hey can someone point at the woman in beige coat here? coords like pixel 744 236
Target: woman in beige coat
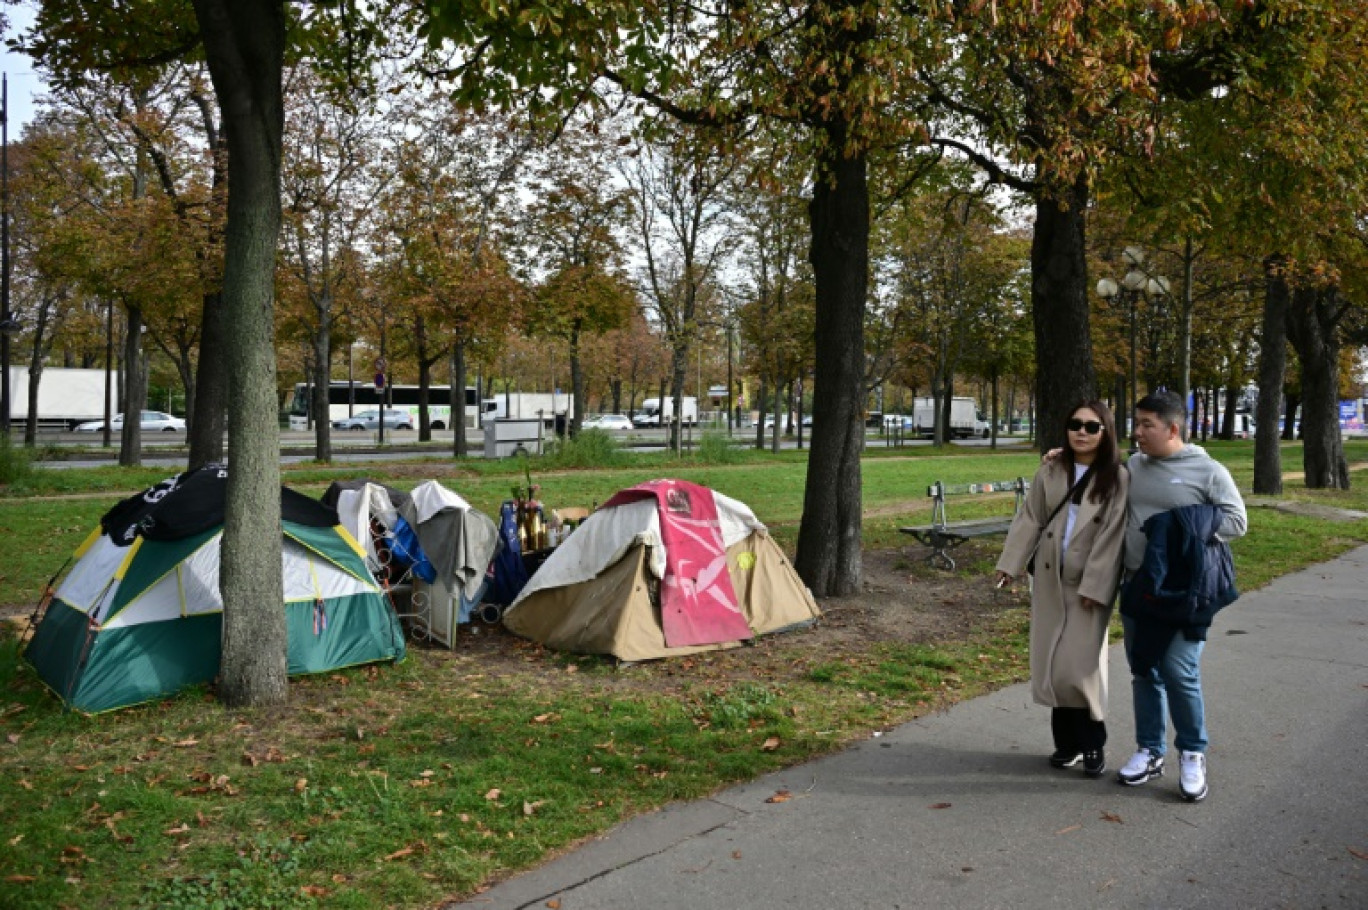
pixel 1073 521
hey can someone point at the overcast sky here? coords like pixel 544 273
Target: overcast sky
pixel 24 83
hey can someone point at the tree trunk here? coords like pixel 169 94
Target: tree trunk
pixel 1272 374
pixel 135 391
pixel 829 538
pixel 762 399
pixel 207 417
pixel 322 386
pixel 577 389
pixel 1291 403
pixel 778 427
pixel 244 43
pixel 1059 311
pixel 1313 329
pixel 460 446
pixel 993 416
pixel 679 367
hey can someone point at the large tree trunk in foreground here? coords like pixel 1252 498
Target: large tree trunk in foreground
pixel 1272 370
pixel 244 42
pixel 829 539
pixel 1313 328
pixel 1059 311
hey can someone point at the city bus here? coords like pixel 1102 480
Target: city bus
pixel 348 398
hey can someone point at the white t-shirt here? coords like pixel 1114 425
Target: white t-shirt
pixel 1079 471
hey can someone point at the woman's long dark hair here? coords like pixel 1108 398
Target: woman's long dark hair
pixel 1106 466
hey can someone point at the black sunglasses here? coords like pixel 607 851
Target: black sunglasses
pixel 1091 427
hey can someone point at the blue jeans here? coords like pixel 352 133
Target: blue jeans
pixel 1175 686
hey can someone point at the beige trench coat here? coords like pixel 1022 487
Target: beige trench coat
pixel 1069 640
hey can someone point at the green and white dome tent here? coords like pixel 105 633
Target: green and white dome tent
pixel 139 615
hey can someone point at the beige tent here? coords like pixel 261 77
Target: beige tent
pixel 599 592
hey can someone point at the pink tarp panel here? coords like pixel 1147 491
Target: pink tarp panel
pixel 697 602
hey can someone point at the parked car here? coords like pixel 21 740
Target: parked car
pixel 608 422
pixel 395 419
pixel 646 420
pixel 151 421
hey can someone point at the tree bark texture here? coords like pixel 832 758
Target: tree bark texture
pixel 459 447
pixel 1313 328
pixel 244 43
pixel 322 386
pixel 577 389
pixel 135 390
pixel 1059 310
pixel 829 539
pixel 1272 372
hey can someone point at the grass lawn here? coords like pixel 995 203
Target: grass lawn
pixel 405 785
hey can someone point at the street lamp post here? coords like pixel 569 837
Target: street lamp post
pixel 1138 282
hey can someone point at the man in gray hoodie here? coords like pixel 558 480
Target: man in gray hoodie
pixel 1169 473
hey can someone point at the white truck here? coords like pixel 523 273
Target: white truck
pixel 522 405
pixel 964 418
pixel 66 396
pixel 649 415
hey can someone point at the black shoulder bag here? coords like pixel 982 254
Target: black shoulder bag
pixel 1078 484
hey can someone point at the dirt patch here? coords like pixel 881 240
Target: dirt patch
pixel 903 600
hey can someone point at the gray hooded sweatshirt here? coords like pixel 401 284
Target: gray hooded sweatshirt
pixel 1189 477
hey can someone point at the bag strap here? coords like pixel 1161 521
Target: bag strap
pixel 1082 481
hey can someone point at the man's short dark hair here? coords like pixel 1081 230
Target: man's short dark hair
pixel 1165 405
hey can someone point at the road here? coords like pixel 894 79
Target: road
pixel 296 446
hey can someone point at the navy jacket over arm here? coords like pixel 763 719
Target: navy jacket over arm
pixel 1187 575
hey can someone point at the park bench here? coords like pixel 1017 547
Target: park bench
pixel 943 535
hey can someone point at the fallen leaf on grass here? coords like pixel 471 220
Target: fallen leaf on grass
pixel 182 828
pixel 186 743
pixel 545 718
pixel 493 794
pixel 314 891
pixel 25 784
pixel 417 847
pixel 1068 829
pixel 16 839
pixel 939 806
pixel 1112 817
pixel 20 879
pixel 13 739
pixel 572 668
pixel 770 744
pixel 529 808
pixel 420 782
pixel 301 785
pixel 780 796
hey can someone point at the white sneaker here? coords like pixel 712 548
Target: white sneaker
pixel 1192 778
pixel 1142 766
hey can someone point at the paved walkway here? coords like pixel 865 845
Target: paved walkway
pixel 960 810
